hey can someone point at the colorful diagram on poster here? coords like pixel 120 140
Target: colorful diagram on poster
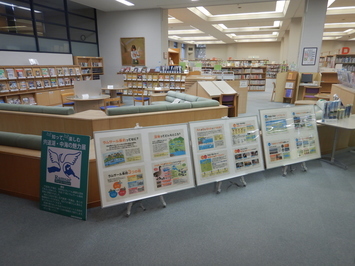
pixel 279 150
pixel 167 144
pixel 246 157
pixel 276 123
pixel 303 119
pixel 213 164
pixel 170 173
pixel 63 167
pixel 244 132
pixel 210 137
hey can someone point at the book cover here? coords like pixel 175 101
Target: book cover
pixel 31 85
pixel 52 72
pixel 39 84
pixel 65 71
pixel 61 82
pixel 71 71
pixel 45 72
pixel 10 73
pixel 3 87
pixel 32 100
pixel 37 72
pixel 14 100
pixel 23 85
pixel 288 93
pixel 177 77
pixel 25 100
pixel 77 71
pixel 13 85
pixel 155 77
pixel 54 82
pixel 2 73
pixel 20 73
pixel 59 71
pixel 67 81
pixel 28 72
pixel 149 77
pixel 46 83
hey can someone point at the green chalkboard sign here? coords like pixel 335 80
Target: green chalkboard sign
pixel 64 174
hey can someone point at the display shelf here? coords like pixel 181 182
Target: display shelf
pixel 290 87
pixel 90 67
pixel 347 61
pixel 27 84
pixel 327 80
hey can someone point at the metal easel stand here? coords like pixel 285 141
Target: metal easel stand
pixel 287 168
pixel 130 204
pixel 219 184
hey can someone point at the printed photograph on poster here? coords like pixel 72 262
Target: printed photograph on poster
pixel 133 51
pixel 246 157
pixel 211 137
pixel 243 132
pixel 121 150
pixel 276 123
pixel 214 164
pixel 309 56
pixel 63 167
pixel 124 183
pixel 306 146
pixel 303 119
pixel 167 144
pixel 279 150
pixel 170 173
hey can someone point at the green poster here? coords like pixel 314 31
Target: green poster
pixel 64 174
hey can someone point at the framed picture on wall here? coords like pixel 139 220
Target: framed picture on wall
pixel 309 56
pixel 133 51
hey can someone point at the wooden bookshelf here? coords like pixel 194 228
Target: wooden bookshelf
pixel 290 87
pixel 90 67
pixel 36 84
pixel 327 80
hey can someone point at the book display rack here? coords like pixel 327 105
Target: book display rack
pixel 90 67
pixel 36 84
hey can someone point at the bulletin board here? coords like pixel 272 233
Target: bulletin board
pixel 289 135
pixel 139 163
pixel 226 148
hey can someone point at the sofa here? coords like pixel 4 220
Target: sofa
pixel 37 109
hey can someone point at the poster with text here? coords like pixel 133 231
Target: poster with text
pixel 290 135
pixel 64 174
pixel 226 148
pixel 138 163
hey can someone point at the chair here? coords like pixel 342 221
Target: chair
pixel 230 100
pixel 273 92
pixel 108 101
pixel 138 96
pixel 65 101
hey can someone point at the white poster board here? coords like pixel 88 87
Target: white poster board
pixel 138 163
pixel 289 135
pixel 226 148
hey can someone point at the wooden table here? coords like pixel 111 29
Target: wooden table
pixel 114 92
pixel 90 103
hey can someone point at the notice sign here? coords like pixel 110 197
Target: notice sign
pixel 64 174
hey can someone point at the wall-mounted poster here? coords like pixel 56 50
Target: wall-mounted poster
pixel 289 135
pixel 226 148
pixel 133 51
pixel 134 164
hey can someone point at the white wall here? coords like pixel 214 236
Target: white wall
pixel 21 58
pixel 269 51
pixel 334 47
pixel 150 24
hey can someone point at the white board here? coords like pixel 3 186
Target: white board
pixel 289 135
pixel 224 87
pixel 226 148
pixel 134 164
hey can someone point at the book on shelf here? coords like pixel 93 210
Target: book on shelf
pixel 45 72
pixel 28 72
pixel 60 71
pixel 77 71
pixel 67 81
pixel 71 71
pixel 20 73
pixel 25 100
pixel 52 72
pixel 65 71
pixel 61 82
pixel 54 82
pixel 23 85
pixel 39 84
pixel 2 74
pixel 3 87
pixel 178 78
pixel 46 83
pixel 13 85
pixel 10 73
pixel 31 100
pixel 288 93
pixel 14 100
pixel 2 100
pixel 37 72
pixel 87 78
pixel 31 84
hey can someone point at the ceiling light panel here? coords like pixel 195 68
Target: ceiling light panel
pixel 127 3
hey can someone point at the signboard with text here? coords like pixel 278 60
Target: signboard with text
pixel 64 174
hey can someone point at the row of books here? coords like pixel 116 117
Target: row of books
pixel 150 85
pixel 13 85
pixel 26 99
pixel 155 77
pixel 23 73
pixel 93 64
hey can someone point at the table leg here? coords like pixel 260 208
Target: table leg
pixel 331 159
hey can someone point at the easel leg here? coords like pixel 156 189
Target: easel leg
pixel 304 167
pixel 243 181
pixel 284 170
pixel 162 201
pixel 219 184
pixel 129 208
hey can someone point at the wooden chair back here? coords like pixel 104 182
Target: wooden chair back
pixel 139 96
pixel 230 100
pixel 111 103
pixel 65 101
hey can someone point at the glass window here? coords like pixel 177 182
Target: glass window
pixel 57 4
pixel 15 8
pixel 80 22
pixel 49 15
pixel 82 35
pixel 16 42
pixel 80 9
pixel 50 45
pixel 84 49
pixel 17 26
pixel 52 31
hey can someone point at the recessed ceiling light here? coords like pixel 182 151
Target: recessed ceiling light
pixel 125 2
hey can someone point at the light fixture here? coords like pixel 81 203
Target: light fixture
pixel 125 2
